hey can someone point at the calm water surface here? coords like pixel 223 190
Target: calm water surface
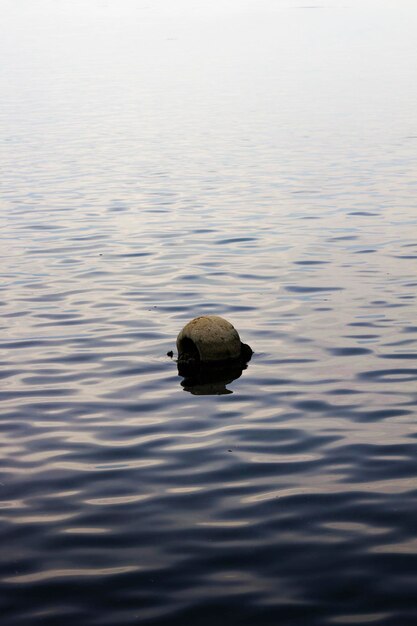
pixel 252 160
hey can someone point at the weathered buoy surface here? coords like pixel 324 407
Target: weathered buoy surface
pixel 210 338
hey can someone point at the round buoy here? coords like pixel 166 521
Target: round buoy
pixel 210 338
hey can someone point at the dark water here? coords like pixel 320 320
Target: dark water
pixel 258 162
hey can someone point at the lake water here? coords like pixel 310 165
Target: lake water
pixel 254 160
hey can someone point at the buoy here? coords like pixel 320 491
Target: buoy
pixel 211 339
pixel 210 355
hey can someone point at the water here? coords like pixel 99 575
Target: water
pixel 256 161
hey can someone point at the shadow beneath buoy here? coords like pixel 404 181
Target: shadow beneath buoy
pixel 212 378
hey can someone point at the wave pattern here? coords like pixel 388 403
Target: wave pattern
pixel 152 177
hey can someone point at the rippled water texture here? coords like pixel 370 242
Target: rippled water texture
pixel 251 160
